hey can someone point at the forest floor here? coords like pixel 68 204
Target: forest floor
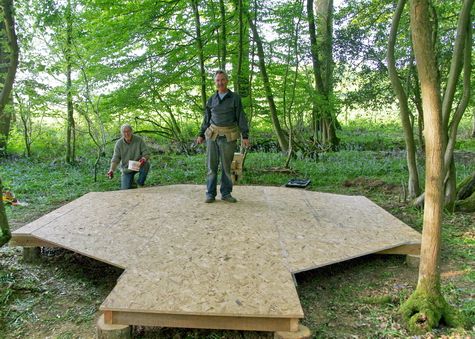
pixel 59 296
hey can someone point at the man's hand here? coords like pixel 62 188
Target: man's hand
pixel 142 161
pixel 246 143
pixel 110 174
pixel 200 140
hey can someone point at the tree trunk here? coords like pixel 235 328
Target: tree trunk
pixel 457 59
pixel 321 45
pixel 324 10
pixel 25 116
pixel 449 164
pixel 473 125
pixel 316 68
pixel 461 58
pixel 466 187
pixel 71 128
pixel 413 182
pixel 5 234
pixel 7 75
pixel 222 46
pixel 241 76
pixel 426 307
pixel 292 52
pixel 466 195
pixel 199 45
pixel 281 137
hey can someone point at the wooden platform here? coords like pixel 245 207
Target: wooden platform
pixel 219 265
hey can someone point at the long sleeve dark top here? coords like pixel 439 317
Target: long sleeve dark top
pixel 225 112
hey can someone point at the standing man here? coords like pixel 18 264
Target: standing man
pixel 223 123
pixel 129 147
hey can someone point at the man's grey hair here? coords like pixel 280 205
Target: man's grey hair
pixel 124 126
pixel 220 71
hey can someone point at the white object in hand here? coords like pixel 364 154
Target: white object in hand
pixel 134 165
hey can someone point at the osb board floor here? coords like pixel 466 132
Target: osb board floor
pixel 183 256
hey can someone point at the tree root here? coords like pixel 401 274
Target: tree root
pixel 423 311
pixel 466 205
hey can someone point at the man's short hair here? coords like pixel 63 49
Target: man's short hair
pixel 124 126
pixel 220 71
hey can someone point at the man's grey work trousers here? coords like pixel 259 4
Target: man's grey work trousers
pixel 219 150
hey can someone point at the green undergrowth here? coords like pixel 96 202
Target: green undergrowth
pixel 60 296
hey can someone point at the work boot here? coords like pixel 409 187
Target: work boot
pixel 209 199
pixel 229 198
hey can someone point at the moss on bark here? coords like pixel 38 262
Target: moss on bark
pixel 466 205
pixel 466 188
pixel 424 311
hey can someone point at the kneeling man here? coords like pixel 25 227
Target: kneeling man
pixel 130 147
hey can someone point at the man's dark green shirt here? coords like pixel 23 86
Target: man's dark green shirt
pixel 225 112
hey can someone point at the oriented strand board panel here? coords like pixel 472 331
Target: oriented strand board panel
pixel 220 265
pixel 318 229
pixel 206 259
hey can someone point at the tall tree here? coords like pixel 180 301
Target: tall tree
pixel 223 39
pixel 9 63
pixel 459 66
pixel 10 43
pixel 279 132
pixel 321 42
pixel 473 121
pixel 241 71
pixel 426 307
pixel 71 125
pixel 5 234
pixel 199 45
pixel 404 111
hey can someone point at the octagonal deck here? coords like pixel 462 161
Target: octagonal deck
pixel 220 265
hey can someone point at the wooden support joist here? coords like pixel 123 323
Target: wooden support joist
pixel 27 240
pixel 413 249
pixel 201 321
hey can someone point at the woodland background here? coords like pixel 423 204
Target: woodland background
pixel 332 94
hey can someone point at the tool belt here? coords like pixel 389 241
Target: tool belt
pixel 232 133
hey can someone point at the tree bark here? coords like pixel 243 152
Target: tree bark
pixel 466 187
pixel 223 38
pixel 5 234
pixel 473 126
pixel 456 62
pixel 241 76
pixel 324 10
pixel 71 128
pixel 315 65
pixel 242 69
pixel 281 137
pixel 321 45
pixel 461 58
pixel 449 164
pixel 199 45
pixel 427 307
pixel 10 58
pixel 466 195
pixel 413 181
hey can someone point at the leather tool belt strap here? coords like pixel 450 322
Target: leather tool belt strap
pixel 231 133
